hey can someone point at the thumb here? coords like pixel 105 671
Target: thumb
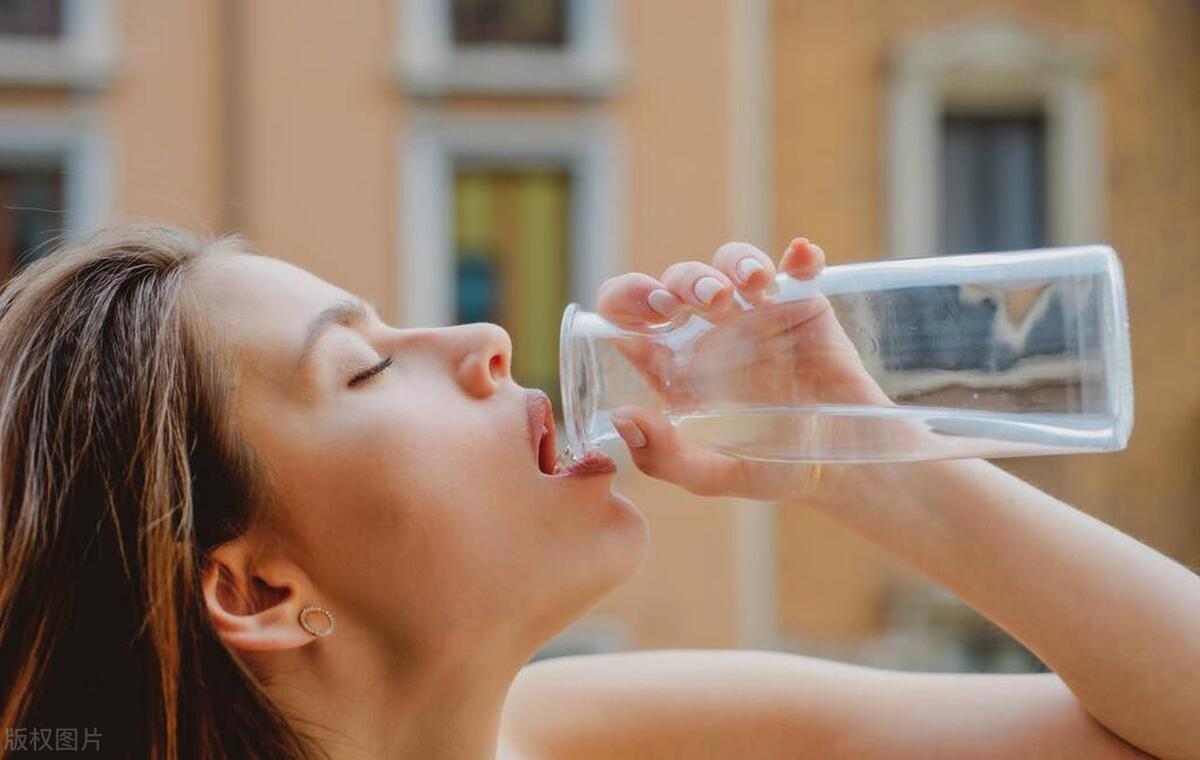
pixel 658 450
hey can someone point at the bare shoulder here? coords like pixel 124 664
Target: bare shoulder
pixel 720 704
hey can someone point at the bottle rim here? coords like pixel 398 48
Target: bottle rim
pixel 568 364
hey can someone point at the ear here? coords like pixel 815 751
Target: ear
pixel 255 604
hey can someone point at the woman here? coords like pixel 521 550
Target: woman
pixel 242 517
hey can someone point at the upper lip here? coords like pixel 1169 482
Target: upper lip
pixel 541 431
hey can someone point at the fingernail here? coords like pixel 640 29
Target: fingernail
pixel 707 288
pixel 747 267
pixel 629 430
pixel 663 302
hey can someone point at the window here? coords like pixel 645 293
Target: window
pixel 56 43
pixel 993 183
pixel 993 198
pixel 512 260
pixel 507 219
pixel 507 47
pixel 55 171
pixel 31 213
pixel 509 22
pixel 31 18
pixel 1030 94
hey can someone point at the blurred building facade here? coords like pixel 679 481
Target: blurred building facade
pixel 462 160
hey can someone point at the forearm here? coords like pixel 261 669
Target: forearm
pixel 1119 622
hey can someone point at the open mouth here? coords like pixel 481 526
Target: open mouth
pixel 545 451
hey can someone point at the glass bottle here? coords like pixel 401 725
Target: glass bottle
pixel 990 354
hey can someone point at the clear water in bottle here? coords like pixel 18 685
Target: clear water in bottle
pixel 1002 354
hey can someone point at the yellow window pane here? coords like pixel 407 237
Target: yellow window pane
pixel 511 234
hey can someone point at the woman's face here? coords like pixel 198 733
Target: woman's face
pixel 405 465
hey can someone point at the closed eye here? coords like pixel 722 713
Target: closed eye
pixel 371 372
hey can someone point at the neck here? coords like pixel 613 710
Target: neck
pixel 358 703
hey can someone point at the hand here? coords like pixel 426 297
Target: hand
pixel 797 350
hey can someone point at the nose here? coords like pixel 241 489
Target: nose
pixel 480 356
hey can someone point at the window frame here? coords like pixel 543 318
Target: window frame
pixel 586 146
pixel 84 57
pixel 77 139
pixel 994 65
pixel 429 64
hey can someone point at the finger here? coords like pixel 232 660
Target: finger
pixel 704 288
pixel 803 259
pixel 750 269
pixel 636 300
pixel 781 319
pixel 659 451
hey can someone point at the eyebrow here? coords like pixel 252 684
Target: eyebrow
pixel 345 313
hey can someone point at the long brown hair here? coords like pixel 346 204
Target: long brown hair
pixel 119 471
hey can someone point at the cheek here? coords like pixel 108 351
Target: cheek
pixel 416 504
pixel 431 502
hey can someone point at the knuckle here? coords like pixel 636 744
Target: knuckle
pixel 616 287
pixel 679 270
pixel 719 274
pixel 618 282
pixel 605 292
pixel 733 248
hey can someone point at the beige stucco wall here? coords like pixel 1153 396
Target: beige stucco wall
pixel 164 114
pixel 320 125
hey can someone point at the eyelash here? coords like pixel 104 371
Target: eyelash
pixel 367 374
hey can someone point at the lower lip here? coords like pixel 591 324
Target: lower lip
pixel 591 463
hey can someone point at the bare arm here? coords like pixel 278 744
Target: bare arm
pixel 1116 620
pixel 763 705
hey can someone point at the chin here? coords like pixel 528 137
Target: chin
pixel 630 541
